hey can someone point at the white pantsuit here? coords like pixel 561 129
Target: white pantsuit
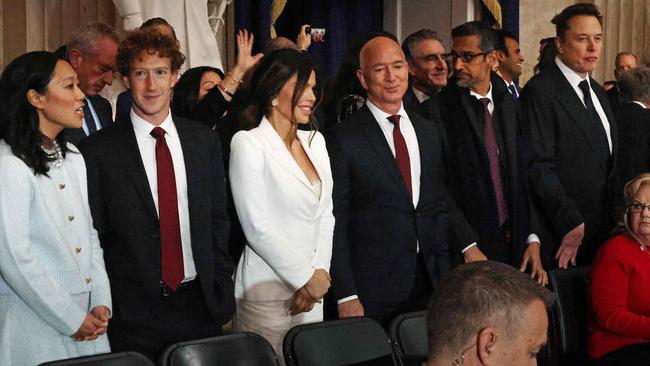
pixel 288 224
pixel 51 267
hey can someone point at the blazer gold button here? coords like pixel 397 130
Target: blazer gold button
pixel 77 250
pixel 70 218
pixel 61 186
pixel 87 280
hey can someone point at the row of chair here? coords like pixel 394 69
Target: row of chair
pixel 359 340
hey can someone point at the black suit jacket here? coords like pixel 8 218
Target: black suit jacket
pixel 634 136
pixel 126 219
pixel 469 174
pixel 412 103
pixel 614 98
pixel 570 181
pixel 104 113
pixel 377 228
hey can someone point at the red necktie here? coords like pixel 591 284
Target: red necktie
pixel 401 153
pixel 493 157
pixel 170 228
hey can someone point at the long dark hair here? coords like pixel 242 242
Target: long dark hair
pixel 270 75
pixel 19 122
pixel 186 91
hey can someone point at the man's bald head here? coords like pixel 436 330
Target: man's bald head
pixel 383 73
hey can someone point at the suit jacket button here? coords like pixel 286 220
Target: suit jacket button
pixel 61 186
pixel 156 272
pixel 88 280
pixel 155 236
pixel 77 250
pixel 70 218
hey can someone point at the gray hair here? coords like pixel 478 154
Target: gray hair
pixel 478 295
pixel 634 84
pixel 412 39
pixel 87 37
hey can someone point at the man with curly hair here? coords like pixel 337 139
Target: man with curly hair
pixel 157 194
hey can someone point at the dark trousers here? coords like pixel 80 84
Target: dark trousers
pixel 632 355
pixel 417 300
pixel 180 316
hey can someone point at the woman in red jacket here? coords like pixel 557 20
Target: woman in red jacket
pixel 619 323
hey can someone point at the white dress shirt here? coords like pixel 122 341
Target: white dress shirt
pixel 574 79
pixel 406 127
pixel 147 146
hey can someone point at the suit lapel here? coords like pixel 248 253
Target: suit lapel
pixel 129 154
pixel 470 112
pixel 378 141
pixel 568 98
pixel 304 141
pixel 613 127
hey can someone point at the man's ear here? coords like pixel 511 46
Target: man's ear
pixel 492 59
pixel 125 81
pixel 487 338
pixel 36 99
pixel 175 77
pixel 362 79
pixel 76 57
pixel 411 69
pixel 558 45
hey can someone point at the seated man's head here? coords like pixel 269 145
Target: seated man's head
pixel 487 313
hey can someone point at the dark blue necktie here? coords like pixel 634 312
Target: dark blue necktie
pixel 513 90
pixel 90 121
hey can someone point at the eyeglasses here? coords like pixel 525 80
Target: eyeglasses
pixel 638 207
pixel 466 57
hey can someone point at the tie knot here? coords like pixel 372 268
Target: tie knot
pixel 584 86
pixel 157 132
pixel 394 119
pixel 485 102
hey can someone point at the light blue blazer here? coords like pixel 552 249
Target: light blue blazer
pixel 51 265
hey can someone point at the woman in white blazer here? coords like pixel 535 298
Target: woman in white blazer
pixel 282 188
pixel 55 298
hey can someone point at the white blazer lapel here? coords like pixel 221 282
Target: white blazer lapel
pixel 280 153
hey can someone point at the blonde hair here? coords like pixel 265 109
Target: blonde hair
pixel 629 192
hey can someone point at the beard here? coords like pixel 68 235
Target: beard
pixel 469 81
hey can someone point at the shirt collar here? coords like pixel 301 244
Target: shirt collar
pixel 479 96
pixel 383 116
pixel 421 97
pixel 639 103
pixel 143 128
pixel 571 76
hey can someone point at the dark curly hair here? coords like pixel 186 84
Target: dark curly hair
pixel 151 41
pixel 19 122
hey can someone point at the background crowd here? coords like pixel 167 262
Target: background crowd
pixel 214 197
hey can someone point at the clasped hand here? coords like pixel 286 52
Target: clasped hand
pixel 94 325
pixel 311 293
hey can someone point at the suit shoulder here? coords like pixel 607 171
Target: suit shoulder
pixel 540 83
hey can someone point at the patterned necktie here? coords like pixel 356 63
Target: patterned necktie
pixel 597 127
pixel 170 228
pixel 513 90
pixel 90 121
pixel 493 157
pixel 401 153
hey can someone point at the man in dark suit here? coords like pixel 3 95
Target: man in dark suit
pixel 573 140
pixel 92 52
pixel 487 174
pixel 157 196
pixel 394 215
pixel 510 60
pixel 624 61
pixel 633 119
pixel 427 69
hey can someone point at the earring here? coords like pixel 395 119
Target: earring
pixel 274 103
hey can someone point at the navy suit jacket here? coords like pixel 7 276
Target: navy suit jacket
pixel 377 229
